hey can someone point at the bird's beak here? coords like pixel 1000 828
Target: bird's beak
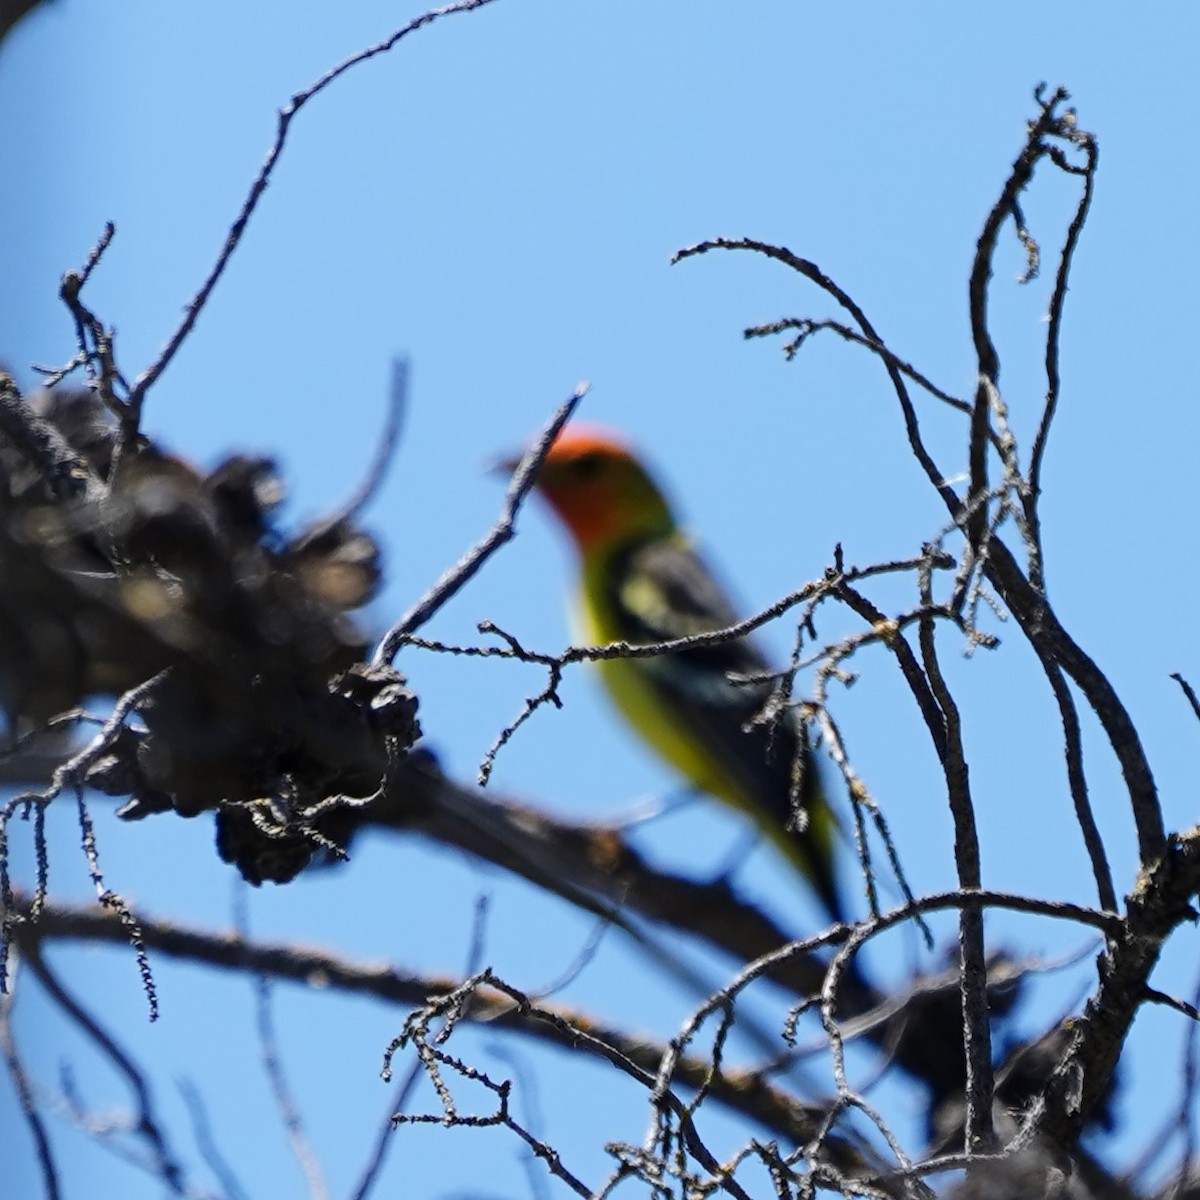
pixel 504 466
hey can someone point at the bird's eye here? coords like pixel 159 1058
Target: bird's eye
pixel 589 465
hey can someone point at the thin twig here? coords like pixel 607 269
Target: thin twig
pixel 25 1097
pixel 503 531
pixel 285 1102
pixel 207 1145
pixel 71 773
pixel 41 445
pixel 385 449
pixel 164 1161
pixel 1058 300
pixel 812 272
pixel 1189 692
pixel 979 1131
pixel 805 327
pixel 1077 781
pixel 258 188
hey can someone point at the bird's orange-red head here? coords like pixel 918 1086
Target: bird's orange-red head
pixel 600 490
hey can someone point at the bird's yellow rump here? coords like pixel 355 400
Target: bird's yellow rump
pixel 641 582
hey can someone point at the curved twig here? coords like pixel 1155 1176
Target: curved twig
pixel 287 114
pixel 503 531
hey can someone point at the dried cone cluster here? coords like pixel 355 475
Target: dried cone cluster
pixel 115 566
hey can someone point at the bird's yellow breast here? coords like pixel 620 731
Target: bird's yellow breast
pixel 631 686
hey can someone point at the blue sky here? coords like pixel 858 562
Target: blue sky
pixel 499 198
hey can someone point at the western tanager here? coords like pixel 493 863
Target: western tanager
pixel 642 582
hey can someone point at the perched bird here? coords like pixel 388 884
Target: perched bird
pixel 642 582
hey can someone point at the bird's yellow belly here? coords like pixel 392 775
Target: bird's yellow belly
pixel 634 694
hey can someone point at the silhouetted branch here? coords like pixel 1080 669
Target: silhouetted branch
pixel 287 114
pixel 147 1125
pixel 25 1098
pixel 503 531
pixel 745 1091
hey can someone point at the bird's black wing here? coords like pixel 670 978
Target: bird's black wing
pixel 662 591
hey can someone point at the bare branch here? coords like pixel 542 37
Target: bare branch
pixel 977 1043
pixel 207 1146
pixel 1161 901
pixel 1087 142
pixel 94 341
pixel 1189 692
pixel 503 531
pixel 147 1124
pixel 285 1101
pixel 44 447
pixel 747 1092
pixel 805 327
pixel 24 1090
pixel 385 449
pixel 287 114
pixel 1077 781
pixel 71 773
pixel 812 272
